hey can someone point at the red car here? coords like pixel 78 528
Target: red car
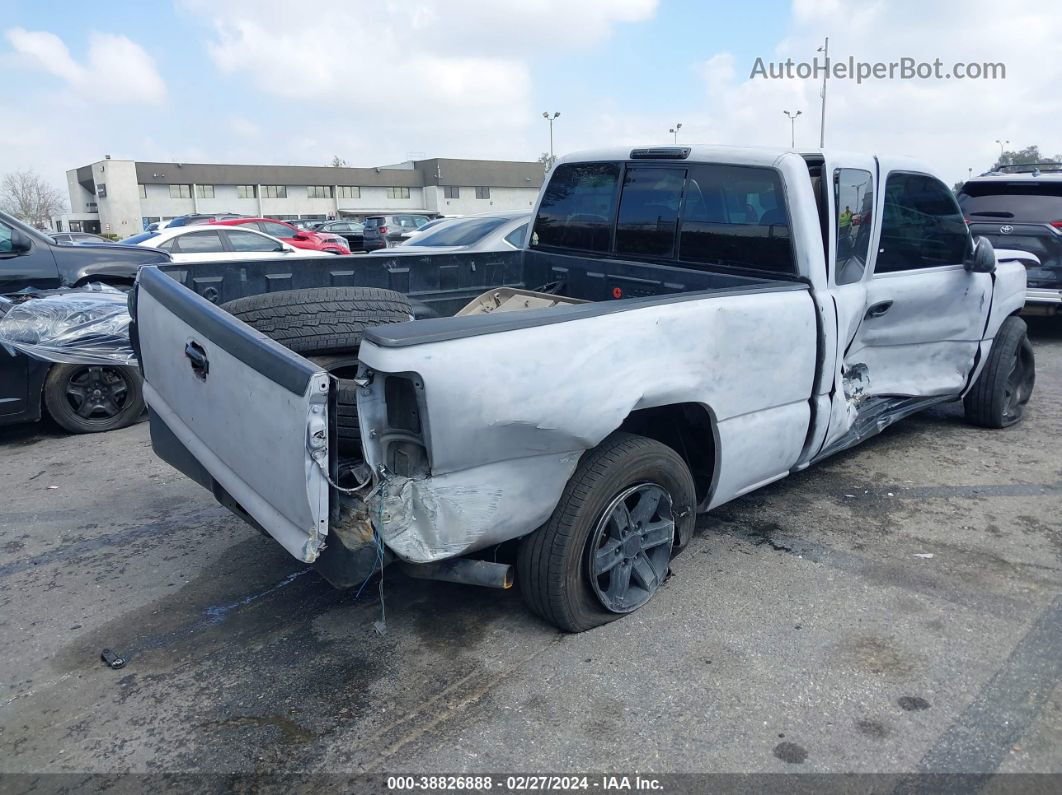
pixel 300 238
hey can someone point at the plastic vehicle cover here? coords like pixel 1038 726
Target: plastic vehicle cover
pixel 89 325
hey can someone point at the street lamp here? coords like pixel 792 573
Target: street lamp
pixel 674 131
pixel 792 127
pixel 825 50
pixel 547 117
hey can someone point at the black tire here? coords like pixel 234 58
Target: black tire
pixel 1004 386
pixel 93 398
pixel 321 319
pixel 348 432
pixel 554 562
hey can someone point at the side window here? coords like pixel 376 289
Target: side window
pixel 516 237
pixel 241 240
pixel 649 209
pixel 199 243
pixel 577 207
pixel 853 196
pixel 169 245
pixel 736 216
pixel 922 226
pixel 276 230
pixel 5 239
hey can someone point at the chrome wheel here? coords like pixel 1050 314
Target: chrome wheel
pixel 630 548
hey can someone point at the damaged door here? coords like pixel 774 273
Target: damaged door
pixel 910 315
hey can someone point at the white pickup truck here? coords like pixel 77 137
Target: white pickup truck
pixel 710 319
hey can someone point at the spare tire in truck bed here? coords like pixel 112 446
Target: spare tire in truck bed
pixel 320 319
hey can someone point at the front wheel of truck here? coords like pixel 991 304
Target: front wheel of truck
pixel 605 550
pixel 1005 384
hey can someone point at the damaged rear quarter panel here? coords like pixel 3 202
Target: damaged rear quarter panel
pixel 508 414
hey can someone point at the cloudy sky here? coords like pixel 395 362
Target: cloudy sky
pixel 380 81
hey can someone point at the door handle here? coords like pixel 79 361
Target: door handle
pixel 198 358
pixel 879 309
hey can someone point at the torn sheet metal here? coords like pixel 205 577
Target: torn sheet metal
pixel 84 326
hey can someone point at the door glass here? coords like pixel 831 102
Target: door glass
pixel 853 197
pixel 199 242
pixel 276 230
pixel 242 240
pixel 648 213
pixel 922 226
pixel 5 238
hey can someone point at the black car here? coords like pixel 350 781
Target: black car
pixel 80 398
pixel 351 231
pixel 1021 208
pixel 390 230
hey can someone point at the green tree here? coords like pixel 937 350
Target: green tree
pixel 1023 157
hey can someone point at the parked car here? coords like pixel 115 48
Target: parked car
pixel 193 219
pixel 300 238
pixel 32 259
pixel 307 223
pixel 352 232
pixel 77 238
pixel 390 230
pixel 492 232
pixel 195 244
pixel 1021 208
pixel 686 329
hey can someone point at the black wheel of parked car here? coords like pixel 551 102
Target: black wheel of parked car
pixel 1005 384
pixel 605 550
pixel 321 319
pixel 92 398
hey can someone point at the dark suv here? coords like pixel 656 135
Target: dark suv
pixel 1020 207
pixel 390 230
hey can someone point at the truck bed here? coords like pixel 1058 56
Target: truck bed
pixel 447 282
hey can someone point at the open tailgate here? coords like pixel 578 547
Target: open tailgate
pixel 233 409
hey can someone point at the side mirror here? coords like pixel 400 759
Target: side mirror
pixel 20 242
pixel 983 259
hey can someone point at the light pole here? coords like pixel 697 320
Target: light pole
pixel 792 127
pixel 1001 143
pixel 547 117
pixel 825 50
pixel 674 131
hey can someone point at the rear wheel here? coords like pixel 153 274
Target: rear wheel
pixel 1003 388
pixel 93 398
pixel 605 550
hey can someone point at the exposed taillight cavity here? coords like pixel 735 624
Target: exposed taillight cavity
pixel 1057 224
pixel 383 230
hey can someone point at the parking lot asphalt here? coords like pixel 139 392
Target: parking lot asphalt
pixel 897 608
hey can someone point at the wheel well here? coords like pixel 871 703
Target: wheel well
pixel 688 429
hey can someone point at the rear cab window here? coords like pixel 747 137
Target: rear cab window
pixel 689 215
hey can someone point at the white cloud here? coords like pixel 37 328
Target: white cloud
pixel 116 70
pixel 452 76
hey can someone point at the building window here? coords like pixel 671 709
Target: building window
pixel 482 193
pixel 318 191
pixel 101 190
pixel 75 226
pixel 451 192
pixel 143 191
pixel 180 191
pixel 398 193
pixel 349 192
pixel 245 191
pixel 274 191
pixel 204 191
